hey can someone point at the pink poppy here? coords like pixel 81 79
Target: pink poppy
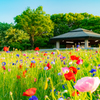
pixel 65 69
pixel 77 49
pixel 87 84
pixel 24 54
pixel 37 53
pixel 80 61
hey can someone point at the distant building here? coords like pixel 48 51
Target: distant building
pixel 76 37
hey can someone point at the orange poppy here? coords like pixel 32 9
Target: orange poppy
pixel 29 92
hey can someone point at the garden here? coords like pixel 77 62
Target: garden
pixel 50 75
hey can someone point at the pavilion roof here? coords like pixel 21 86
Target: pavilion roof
pixel 77 34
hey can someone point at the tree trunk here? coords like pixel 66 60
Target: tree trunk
pixel 32 40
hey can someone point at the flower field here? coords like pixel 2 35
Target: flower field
pixel 50 75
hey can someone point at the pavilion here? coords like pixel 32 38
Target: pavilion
pixel 76 37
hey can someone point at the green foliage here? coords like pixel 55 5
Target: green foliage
pixel 16 38
pixel 34 28
pixel 69 21
pixel 3 28
pixel 42 42
pixel 35 23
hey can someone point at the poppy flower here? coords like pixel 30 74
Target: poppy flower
pixel 37 53
pixel 69 76
pixel 77 49
pixel 49 66
pixel 18 77
pixel 20 66
pixel 53 53
pixel 35 80
pixel 80 61
pixel 45 54
pixel 73 57
pixel 73 69
pixel 87 84
pixel 70 53
pixel 37 49
pixel 4 67
pixel 29 92
pixel 65 69
pixel 73 93
pixel 6 48
pixel 9 70
pixel 24 72
pixel 32 65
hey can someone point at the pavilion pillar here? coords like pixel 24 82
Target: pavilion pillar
pixel 86 43
pixel 57 44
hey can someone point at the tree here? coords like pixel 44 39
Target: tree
pixel 15 37
pixel 3 28
pixel 35 23
pixel 60 24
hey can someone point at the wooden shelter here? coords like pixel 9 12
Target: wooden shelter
pixel 76 37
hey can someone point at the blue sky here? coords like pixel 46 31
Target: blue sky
pixel 11 8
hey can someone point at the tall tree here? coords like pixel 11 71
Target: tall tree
pixel 14 37
pixel 3 28
pixel 35 23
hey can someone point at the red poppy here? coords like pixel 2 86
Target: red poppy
pixel 24 72
pixel 6 49
pixel 45 54
pixel 70 53
pixel 73 69
pixel 73 94
pixel 32 65
pixel 37 49
pixel 96 51
pixel 49 66
pixel 51 52
pixel 20 66
pixel 69 76
pixel 29 92
pixel 18 77
pixel 73 57
pixel 4 67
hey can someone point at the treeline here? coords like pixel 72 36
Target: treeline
pixel 34 28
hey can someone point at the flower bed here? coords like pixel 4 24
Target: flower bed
pixel 57 75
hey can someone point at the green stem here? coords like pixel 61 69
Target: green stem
pixel 90 95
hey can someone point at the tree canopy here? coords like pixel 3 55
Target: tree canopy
pixel 35 23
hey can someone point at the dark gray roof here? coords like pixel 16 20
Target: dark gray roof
pixel 77 33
